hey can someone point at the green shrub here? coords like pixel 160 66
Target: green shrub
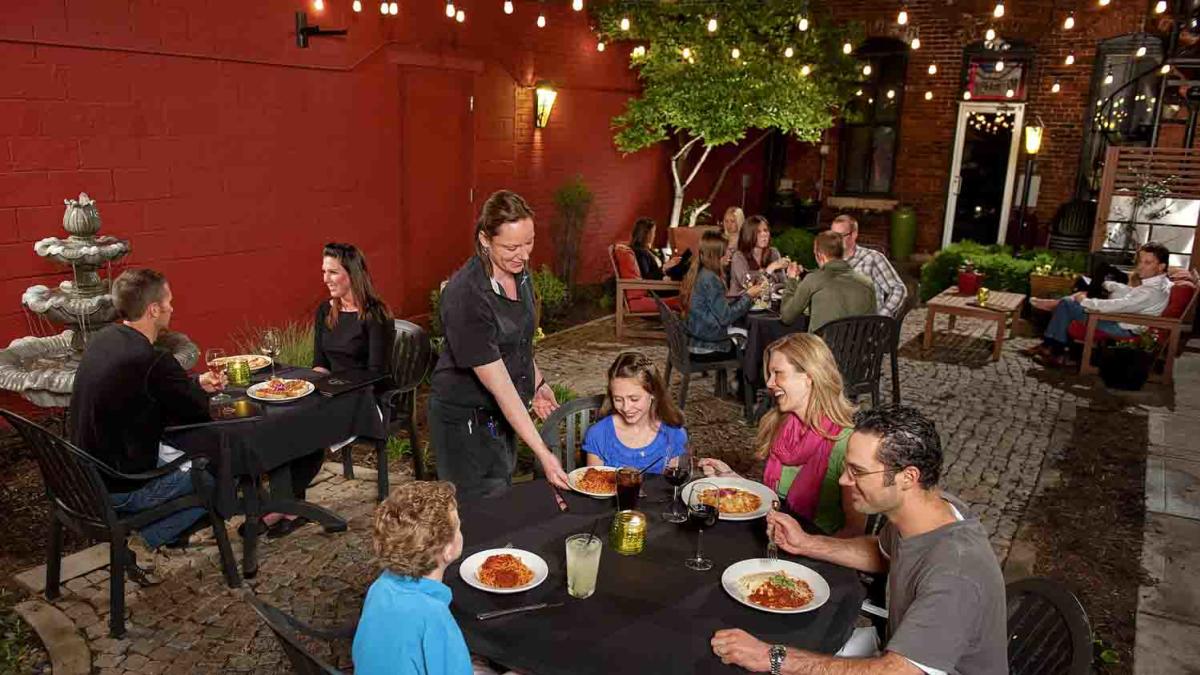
pixel 797 244
pixel 572 201
pixel 550 290
pixel 295 340
pixel 1003 270
pixel 435 312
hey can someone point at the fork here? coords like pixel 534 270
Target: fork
pixel 772 547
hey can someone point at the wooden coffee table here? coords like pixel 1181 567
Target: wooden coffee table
pixel 1000 308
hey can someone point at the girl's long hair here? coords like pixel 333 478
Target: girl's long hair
pixel 370 305
pixel 712 249
pixel 808 354
pixel 638 366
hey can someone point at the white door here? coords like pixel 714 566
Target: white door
pixel 982 172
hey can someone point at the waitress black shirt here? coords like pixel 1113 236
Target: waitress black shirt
pixel 482 325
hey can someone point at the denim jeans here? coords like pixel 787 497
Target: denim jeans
pixel 1068 311
pixel 159 491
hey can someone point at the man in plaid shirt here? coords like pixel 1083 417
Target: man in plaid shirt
pixel 890 291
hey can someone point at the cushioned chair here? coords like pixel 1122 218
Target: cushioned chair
pixel 634 297
pixel 288 630
pixel 564 429
pixel 1168 327
pixel 1048 630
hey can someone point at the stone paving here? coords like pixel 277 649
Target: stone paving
pixel 997 420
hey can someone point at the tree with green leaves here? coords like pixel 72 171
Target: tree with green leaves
pixel 714 72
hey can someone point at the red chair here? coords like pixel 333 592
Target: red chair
pixel 634 298
pixel 1167 328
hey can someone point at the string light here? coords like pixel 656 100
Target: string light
pixel 599 46
pixel 687 53
pixel 966 96
pixel 1141 51
pixel 1055 88
pixel 1070 60
pixel 891 94
pixel 998 12
pixel 639 50
pixel 577 5
pixel 508 7
pixel 990 35
pixel 736 53
pixel 1104 3
pixel 847 48
pixel 319 5
pixel 929 96
pixel 1009 93
pixel 460 16
pixel 1166 68
pixel 805 70
pixel 712 25
pixel 916 43
pixel 450 10
pixel 393 8
pixel 867 69
pixel 1160 6
pixel 789 53
pixel 383 8
pixel 858 93
pixel 933 69
pixel 803 26
pixel 1069 22
pixel 1000 65
pixel 624 23
pixel 541 21
pixel 902 17
pixel 356 6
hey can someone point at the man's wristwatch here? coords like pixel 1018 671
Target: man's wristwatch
pixel 777 654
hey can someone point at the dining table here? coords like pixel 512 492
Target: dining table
pixel 649 613
pixel 242 451
pixel 762 328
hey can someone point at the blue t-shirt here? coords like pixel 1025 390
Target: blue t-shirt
pixel 601 440
pixel 406 627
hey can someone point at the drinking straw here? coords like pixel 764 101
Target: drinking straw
pixel 592 534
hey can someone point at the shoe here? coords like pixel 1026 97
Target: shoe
pixel 1036 351
pixel 285 527
pixel 1050 360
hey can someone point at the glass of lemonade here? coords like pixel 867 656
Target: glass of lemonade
pixel 583 563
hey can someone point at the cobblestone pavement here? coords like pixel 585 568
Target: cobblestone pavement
pixel 996 420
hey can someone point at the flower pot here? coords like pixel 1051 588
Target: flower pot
pixel 1050 286
pixel 969 282
pixel 1125 368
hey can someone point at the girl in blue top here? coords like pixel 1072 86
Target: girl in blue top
pixel 640 425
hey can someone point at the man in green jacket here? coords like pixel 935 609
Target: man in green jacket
pixel 833 292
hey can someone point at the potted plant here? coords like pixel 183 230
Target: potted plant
pixel 1047 281
pixel 969 281
pixel 1126 364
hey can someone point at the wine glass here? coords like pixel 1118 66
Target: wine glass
pixel 704 515
pixel 214 358
pixel 676 476
pixel 270 347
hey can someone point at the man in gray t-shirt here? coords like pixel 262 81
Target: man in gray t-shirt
pixel 946 609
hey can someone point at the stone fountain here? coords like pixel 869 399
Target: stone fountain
pixel 42 368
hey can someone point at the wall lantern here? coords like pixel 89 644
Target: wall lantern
pixel 545 103
pixel 1033 138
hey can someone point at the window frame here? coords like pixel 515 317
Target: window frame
pixel 875 50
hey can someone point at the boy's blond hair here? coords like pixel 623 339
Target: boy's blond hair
pixel 413 525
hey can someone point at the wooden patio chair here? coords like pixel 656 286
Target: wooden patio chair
pixel 80 500
pixel 564 429
pixel 858 344
pixel 1048 630
pixel 288 630
pixel 1168 327
pixel 634 294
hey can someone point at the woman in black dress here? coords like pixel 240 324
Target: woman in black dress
pixel 486 381
pixel 649 264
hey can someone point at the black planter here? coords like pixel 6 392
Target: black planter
pixel 1124 368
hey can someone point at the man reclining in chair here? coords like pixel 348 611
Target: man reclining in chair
pixel 1147 292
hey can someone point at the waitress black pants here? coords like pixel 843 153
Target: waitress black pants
pixel 475 448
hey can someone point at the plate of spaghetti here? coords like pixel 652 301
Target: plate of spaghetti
pixel 776 586
pixel 279 390
pixel 504 570
pixel 594 481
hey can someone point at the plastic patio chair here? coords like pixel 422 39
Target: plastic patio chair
pixel 680 358
pixel 1048 630
pixel 894 351
pixel 80 500
pixel 858 344
pixel 564 429
pixel 288 629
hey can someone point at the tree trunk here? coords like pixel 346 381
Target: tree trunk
pixel 737 158
pixel 677 206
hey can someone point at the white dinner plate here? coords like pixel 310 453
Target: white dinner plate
pixel 256 361
pixel 820 587
pixel 469 569
pixel 578 473
pixel 764 493
pixel 252 392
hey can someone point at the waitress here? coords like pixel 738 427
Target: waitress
pixel 486 381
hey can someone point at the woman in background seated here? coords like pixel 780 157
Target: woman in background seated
pixel 639 425
pixel 804 437
pixel 354 329
pixel 731 227
pixel 648 262
pixel 710 315
pixel 755 254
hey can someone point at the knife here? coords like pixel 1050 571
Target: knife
pixel 484 616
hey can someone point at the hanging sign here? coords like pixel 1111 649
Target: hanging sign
pixel 988 84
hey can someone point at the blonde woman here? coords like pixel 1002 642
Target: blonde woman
pixel 731 227
pixel 804 437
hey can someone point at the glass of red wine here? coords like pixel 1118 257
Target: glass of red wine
pixel 676 475
pixel 215 360
pixel 703 512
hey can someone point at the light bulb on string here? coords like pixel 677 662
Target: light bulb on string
pixel 891 94
pixel 998 11
pixel 577 5
pixel 1070 60
pixel 1000 65
pixel 847 48
pixel 1104 3
pixel 319 5
pixel 599 46
pixel 1166 68
pixel 789 53
pixel 1009 93
pixel 803 25
pixel 805 70
pixel 541 21
pixel 858 93
pixel 393 8
pixel 929 96
pixel 624 23
pixel 867 69
pixel 916 43
pixel 933 69
pixel 712 25
pixel 966 96
pixel 383 8
pixel 460 16
pixel 735 53
pixel 902 17
pixel 450 11
pixel 1141 51
pixel 990 35
pixel 1055 88
pixel 687 53
pixel 1069 22
pixel 356 5
pixel 1160 6
pixel 508 7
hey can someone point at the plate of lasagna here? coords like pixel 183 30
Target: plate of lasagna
pixel 776 586
pixel 735 498
pixel 594 481
pixel 279 390
pixel 504 570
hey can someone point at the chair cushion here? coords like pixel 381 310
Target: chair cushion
pixel 645 304
pixel 1181 295
pixel 627 268
pixel 1078 329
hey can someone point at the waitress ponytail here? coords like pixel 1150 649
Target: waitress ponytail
pixel 504 206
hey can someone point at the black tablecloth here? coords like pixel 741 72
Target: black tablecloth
pixel 650 614
pixel 288 430
pixel 762 329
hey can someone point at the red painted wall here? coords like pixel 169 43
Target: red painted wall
pixel 228 156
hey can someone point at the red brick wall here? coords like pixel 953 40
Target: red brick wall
pixel 928 127
pixel 228 155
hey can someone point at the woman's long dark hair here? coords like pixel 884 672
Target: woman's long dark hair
pixel 370 305
pixel 748 239
pixel 712 249
pixel 641 231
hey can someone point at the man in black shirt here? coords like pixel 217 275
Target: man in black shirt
pixel 126 392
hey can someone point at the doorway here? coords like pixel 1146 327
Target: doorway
pixel 982 172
